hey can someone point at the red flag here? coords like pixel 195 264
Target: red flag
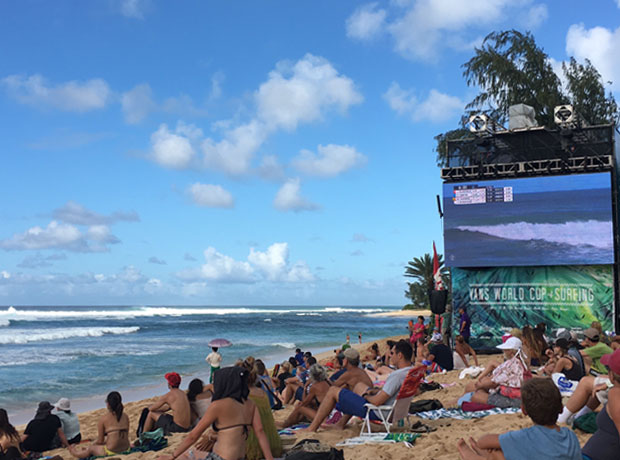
pixel 436 272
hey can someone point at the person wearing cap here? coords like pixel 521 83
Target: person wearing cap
pixel 605 442
pixel 563 362
pixel 176 401
pixel 40 434
pixel 593 351
pixel 354 373
pixel 352 403
pixel 440 353
pixel 69 421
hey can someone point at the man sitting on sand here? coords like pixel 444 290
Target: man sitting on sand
pixel 351 403
pixel 593 351
pixel 354 374
pixel 542 402
pixel 176 401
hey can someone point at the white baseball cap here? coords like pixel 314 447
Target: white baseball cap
pixel 513 343
pixel 63 404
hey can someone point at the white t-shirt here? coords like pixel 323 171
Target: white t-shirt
pixel 394 382
pixel 214 358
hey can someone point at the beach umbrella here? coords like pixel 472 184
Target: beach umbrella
pixel 220 343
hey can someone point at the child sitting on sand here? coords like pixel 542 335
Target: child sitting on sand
pixel 542 402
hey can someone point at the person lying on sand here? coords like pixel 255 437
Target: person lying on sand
pixel 317 389
pixel 351 403
pixel 176 401
pixel 231 414
pixel 112 431
pixel 542 402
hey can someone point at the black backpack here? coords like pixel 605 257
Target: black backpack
pixel 312 449
pixel 424 405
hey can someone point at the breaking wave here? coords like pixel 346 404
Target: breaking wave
pixel 28 336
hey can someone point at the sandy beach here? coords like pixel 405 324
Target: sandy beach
pixel 438 445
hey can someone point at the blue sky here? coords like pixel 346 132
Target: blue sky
pixel 228 153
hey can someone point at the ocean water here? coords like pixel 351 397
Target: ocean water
pixel 541 228
pixel 85 352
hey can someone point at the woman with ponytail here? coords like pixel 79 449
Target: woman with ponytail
pixel 113 431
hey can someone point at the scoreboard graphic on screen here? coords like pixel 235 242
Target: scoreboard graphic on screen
pixel 474 194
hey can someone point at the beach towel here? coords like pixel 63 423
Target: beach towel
pixel 381 438
pixel 586 422
pixel 290 431
pixel 471 371
pixel 459 414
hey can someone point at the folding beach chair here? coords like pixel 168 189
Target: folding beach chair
pixel 391 414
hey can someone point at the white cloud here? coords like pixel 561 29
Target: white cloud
pixel 212 196
pixel 366 22
pixel 271 169
pixel 137 103
pixel 219 267
pixel 132 8
pixel 75 213
pixel 156 260
pixel 172 149
pixel 216 85
pixel 294 93
pixel 272 262
pixel 235 152
pixel 598 44
pixel 437 107
pixel 271 265
pixel 5 275
pixel 72 96
pixel 330 160
pixel 39 261
pixel 420 29
pixel 288 198
pixel 61 236
pixel 535 16
pixel 301 92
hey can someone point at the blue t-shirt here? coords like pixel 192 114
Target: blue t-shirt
pixel 540 442
pixel 465 332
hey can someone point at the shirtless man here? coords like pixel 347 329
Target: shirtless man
pixel 354 374
pixel 176 401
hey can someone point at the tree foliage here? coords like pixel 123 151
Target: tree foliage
pixel 510 68
pixel 421 270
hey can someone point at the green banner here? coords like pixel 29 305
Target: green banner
pixel 498 299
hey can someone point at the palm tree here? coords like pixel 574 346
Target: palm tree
pixel 421 268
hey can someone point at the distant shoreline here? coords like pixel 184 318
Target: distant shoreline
pixel 402 313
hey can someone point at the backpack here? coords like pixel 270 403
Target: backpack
pixel 424 405
pixel 312 449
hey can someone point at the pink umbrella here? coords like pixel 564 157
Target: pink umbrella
pixel 220 343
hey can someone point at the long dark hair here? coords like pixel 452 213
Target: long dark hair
pixel 5 426
pixel 115 402
pixel 196 387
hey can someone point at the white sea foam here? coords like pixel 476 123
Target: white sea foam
pixel 598 234
pixel 21 336
pixel 141 312
pixel 4 322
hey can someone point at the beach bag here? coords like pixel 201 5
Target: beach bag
pixel 142 421
pixel 312 449
pixel 424 405
pixel 151 440
pixel 430 386
pixel 586 422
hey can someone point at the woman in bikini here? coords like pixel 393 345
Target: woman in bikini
pixel 232 415
pixel 112 429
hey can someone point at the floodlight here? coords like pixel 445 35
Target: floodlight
pixel 479 123
pixel 564 114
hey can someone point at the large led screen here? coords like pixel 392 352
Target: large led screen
pixel 554 220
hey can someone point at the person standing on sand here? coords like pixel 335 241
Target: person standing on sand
pixel 464 324
pixel 215 361
pixel 359 337
pixel 112 431
pixel 176 401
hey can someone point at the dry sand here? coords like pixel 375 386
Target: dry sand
pixel 438 445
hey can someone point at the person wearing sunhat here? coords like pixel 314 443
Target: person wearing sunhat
pixel 40 432
pixel 593 351
pixel 176 401
pixel 69 421
pixel 605 442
